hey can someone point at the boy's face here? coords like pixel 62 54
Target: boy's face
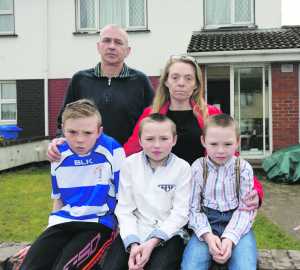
pixel 157 141
pixel 220 143
pixel 82 133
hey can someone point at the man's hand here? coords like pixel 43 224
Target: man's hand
pixel 214 243
pixel 52 153
pixel 251 200
pixel 226 250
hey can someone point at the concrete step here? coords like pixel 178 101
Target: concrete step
pixel 268 259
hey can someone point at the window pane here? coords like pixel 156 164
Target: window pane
pixel 249 93
pixel 6 23
pixel 136 13
pixel 242 11
pixel 8 112
pixel 6 4
pixel 112 12
pixel 87 14
pixel 218 12
pixel 8 91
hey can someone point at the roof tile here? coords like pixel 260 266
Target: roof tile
pixel 287 37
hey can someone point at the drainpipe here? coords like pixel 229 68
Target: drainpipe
pixel 46 107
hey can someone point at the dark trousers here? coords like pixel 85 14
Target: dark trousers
pixel 165 257
pixel 73 245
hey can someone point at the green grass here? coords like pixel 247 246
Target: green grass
pixel 25 205
pixel 270 236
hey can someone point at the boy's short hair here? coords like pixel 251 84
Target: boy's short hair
pixel 221 120
pixel 81 108
pixel 157 118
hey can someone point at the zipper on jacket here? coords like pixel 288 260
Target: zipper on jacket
pixel 109 81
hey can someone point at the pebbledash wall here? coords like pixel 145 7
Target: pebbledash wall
pixel 285 104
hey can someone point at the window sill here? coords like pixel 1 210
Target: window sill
pixel 83 33
pixel 8 35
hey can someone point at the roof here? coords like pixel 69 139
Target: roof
pixel 287 37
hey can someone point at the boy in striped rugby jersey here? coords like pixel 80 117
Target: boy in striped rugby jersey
pixel 84 188
pixel 221 225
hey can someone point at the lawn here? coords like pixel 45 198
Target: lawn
pixel 25 201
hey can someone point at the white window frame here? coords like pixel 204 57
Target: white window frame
pixel 8 101
pixel 9 12
pixel 97 28
pixel 232 17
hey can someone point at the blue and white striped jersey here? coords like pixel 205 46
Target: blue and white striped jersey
pixel 87 185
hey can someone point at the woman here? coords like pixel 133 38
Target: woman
pixel 180 95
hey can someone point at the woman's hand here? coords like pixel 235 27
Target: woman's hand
pixel 251 201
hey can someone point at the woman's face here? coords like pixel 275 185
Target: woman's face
pixel 181 81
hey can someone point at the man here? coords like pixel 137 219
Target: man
pixel 120 93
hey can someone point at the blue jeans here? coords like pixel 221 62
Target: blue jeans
pixel 244 255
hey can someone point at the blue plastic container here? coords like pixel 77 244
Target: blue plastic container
pixel 10 132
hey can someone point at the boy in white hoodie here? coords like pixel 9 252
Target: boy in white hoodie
pixel 153 205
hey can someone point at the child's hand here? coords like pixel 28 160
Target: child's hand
pixel 134 258
pixel 226 250
pixel 145 250
pixel 214 243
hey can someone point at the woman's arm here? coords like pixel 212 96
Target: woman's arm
pixel 132 145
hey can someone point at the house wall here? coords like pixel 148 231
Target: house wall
pixel 170 22
pixel 46 44
pixel 30 108
pixel 263 17
pixel 57 89
pixel 285 107
pixel 23 57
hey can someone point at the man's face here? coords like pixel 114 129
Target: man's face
pixel 82 133
pixel 113 46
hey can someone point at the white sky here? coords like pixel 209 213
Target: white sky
pixel 290 12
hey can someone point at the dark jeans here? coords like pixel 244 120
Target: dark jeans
pixel 71 245
pixel 166 257
pixel 218 220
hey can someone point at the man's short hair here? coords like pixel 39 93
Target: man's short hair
pixel 81 108
pixel 157 118
pixel 221 120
